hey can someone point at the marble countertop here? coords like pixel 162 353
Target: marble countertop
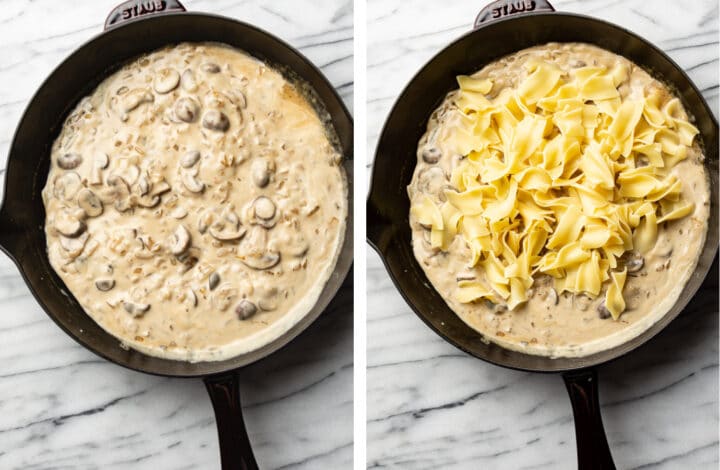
pixel 63 407
pixel 431 406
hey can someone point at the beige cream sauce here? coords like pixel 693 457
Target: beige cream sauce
pixel 273 134
pixel 572 328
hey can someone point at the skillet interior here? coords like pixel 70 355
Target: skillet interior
pixel 22 216
pixel 395 159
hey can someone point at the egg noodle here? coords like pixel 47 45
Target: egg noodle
pixel 561 177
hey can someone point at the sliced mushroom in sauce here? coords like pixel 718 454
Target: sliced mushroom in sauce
pixel 104 285
pixel 245 309
pixel 187 109
pixel 166 80
pixel 69 161
pixel 216 120
pixel 90 203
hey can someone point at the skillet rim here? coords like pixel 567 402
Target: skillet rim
pixel 565 364
pixel 337 277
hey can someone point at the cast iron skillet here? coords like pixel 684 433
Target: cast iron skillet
pixel 502 28
pixel 22 217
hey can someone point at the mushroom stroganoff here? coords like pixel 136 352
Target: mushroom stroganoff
pixel 560 201
pixel 195 203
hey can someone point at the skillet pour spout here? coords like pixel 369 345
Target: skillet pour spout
pixel 503 28
pixel 22 215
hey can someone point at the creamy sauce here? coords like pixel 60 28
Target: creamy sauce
pixel 195 204
pixel 565 325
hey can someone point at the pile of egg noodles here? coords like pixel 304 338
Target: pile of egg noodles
pixel 561 177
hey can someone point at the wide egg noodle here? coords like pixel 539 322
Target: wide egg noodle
pixel 561 177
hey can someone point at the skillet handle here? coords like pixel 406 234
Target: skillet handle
pixel 133 9
pixel 235 449
pixel 10 234
pixel 593 451
pixel 502 8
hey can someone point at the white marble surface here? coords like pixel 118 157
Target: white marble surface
pixel 63 407
pixel 431 406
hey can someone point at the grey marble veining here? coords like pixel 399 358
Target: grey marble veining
pixel 63 407
pixel 431 406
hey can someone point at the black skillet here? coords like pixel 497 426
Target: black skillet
pixel 504 27
pixel 134 28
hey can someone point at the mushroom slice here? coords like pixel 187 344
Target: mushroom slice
pixel 245 309
pixel 213 280
pixel 186 109
pixel 261 261
pixel 192 184
pixel 603 312
pixel 240 98
pixel 261 170
pixel 130 174
pixel 227 235
pixel 497 309
pixel 268 299
pixel 581 302
pixel 191 298
pixel 160 188
pixel 135 309
pixel 231 217
pixel 204 221
pixel 142 186
pixel 74 246
pixel 431 155
pixel 222 192
pixel 105 284
pixel 210 67
pixel 634 263
pixel 216 121
pixel 190 158
pixel 67 185
pixel 69 225
pixel 101 161
pixel 90 203
pixel 268 224
pixel 267 305
pixel 263 212
pixel 553 297
pixel 148 201
pixel 134 98
pixel 188 81
pixel 118 192
pixel 549 295
pixel 264 208
pixel 69 161
pixel 180 240
pixel 166 80
pixel 123 205
pixel 95 177
pixel 189 259
pixel 432 180
pixel 179 213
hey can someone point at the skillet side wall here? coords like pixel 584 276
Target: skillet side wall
pixel 28 164
pixel 388 204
